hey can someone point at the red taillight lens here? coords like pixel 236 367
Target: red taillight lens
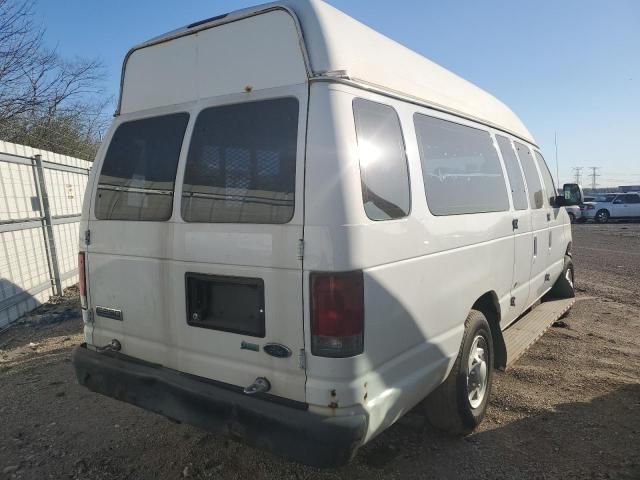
pixel 337 314
pixel 82 280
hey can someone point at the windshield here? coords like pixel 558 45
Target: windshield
pixel 604 198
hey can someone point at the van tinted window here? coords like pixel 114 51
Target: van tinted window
pixel 241 166
pixel 383 162
pixel 460 168
pixel 531 174
pixel 139 170
pixel 518 190
pixel 548 180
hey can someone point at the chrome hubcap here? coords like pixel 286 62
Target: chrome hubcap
pixel 477 372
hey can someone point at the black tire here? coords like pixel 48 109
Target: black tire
pixel 602 216
pixel 572 217
pixel 564 286
pixel 448 407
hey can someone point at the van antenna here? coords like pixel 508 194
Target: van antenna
pixel 555 137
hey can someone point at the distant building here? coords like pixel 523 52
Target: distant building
pixel 629 188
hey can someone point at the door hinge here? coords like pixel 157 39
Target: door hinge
pixel 90 315
pixel 547 277
pixel 300 249
pixel 302 359
pixel 87 237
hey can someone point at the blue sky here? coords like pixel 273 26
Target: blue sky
pixel 570 66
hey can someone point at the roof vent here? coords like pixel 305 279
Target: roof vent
pixel 207 20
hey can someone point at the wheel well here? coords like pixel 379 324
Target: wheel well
pixel 490 306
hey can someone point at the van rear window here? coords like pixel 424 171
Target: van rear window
pixel 383 163
pixel 460 168
pixel 139 170
pixel 241 166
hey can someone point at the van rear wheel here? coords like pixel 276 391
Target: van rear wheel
pixel 459 404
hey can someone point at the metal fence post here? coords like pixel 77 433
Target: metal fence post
pixel 49 241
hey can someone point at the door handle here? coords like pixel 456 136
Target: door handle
pixel 548 217
pixel 535 246
pixel 514 223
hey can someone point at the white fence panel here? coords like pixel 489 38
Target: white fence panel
pixel 28 272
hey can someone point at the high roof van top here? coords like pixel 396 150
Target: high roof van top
pixel 329 45
pixel 296 230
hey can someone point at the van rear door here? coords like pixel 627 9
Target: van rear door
pixel 197 212
pixel 202 282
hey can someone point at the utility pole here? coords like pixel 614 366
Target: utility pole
pixel 577 173
pixel 594 174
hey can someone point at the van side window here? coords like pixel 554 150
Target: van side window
pixel 518 190
pixel 241 166
pixel 139 170
pixel 548 180
pixel 531 174
pixel 383 162
pixel 460 168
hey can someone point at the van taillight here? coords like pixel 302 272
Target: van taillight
pixel 337 314
pixel 82 280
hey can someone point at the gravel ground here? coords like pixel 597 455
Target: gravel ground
pixel 570 408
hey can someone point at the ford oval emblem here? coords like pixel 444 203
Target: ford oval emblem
pixel 277 350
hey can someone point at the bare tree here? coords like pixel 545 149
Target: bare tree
pixel 46 101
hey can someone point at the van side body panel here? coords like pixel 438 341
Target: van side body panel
pixel 422 273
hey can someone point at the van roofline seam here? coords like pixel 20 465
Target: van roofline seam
pixel 372 87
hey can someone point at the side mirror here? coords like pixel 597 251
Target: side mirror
pixel 559 201
pixel 572 194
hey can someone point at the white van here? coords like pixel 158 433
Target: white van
pixel 297 229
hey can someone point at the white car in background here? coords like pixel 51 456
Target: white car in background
pixel 575 213
pixel 613 206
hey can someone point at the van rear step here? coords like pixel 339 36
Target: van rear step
pixel 523 333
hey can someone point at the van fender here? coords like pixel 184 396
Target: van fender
pixel 489 305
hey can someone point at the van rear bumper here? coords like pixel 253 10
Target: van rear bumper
pixel 294 433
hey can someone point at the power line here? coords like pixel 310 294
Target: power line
pixel 577 174
pixel 594 174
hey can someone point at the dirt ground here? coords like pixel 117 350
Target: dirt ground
pixel 570 408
